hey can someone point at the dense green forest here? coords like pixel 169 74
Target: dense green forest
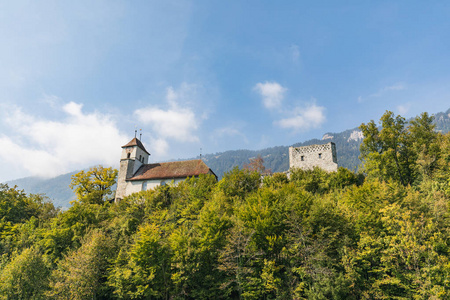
pixel 382 233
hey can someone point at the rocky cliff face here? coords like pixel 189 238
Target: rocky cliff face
pixel 356 135
pixel 326 136
pixel 442 121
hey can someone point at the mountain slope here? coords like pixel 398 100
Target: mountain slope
pixel 277 158
pixel 56 188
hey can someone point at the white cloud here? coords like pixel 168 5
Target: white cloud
pixel 187 94
pixel 304 118
pixel 231 132
pixel 395 87
pixel 50 100
pixel 51 147
pixel 295 52
pixel 160 146
pixel 73 109
pixel 383 91
pixel 171 96
pixel 37 162
pixel 404 108
pixel 296 118
pixel 178 123
pixel 271 92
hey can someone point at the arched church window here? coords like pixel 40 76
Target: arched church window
pixel 128 155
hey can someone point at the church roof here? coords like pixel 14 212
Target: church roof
pixel 136 142
pixel 171 170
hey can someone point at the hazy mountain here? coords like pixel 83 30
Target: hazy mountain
pixel 56 188
pixel 275 159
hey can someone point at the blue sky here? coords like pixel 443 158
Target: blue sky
pixel 77 77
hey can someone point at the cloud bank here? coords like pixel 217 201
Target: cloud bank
pixel 178 122
pixel 50 147
pixel 272 93
pixel 304 118
pixel 300 117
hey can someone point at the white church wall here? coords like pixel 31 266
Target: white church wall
pixel 140 185
pixel 133 187
pixel 150 184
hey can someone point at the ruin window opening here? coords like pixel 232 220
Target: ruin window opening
pixel 302 158
pixel 320 155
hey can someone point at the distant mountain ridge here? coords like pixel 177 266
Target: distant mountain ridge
pixel 275 158
pixel 56 188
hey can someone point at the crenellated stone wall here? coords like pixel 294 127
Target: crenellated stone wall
pixel 308 157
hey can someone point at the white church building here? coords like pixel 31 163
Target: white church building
pixel 136 174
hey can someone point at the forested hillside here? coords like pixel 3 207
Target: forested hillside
pixel 315 235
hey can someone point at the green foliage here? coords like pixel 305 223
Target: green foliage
pixel 143 271
pixel 276 180
pixel 20 216
pixel 400 152
pixel 239 183
pixel 66 231
pixel 94 186
pixel 17 207
pixel 320 181
pixel 407 261
pixel 25 276
pixel 81 274
pixel 313 235
pixel 257 242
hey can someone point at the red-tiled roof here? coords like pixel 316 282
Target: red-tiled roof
pixel 136 142
pixel 174 169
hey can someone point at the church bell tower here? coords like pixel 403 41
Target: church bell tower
pixel 133 157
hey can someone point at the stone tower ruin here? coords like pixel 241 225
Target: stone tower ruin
pixel 308 157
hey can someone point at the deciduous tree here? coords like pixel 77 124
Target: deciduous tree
pixel 25 276
pixel 82 273
pixel 257 165
pixel 94 186
pixel 387 153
